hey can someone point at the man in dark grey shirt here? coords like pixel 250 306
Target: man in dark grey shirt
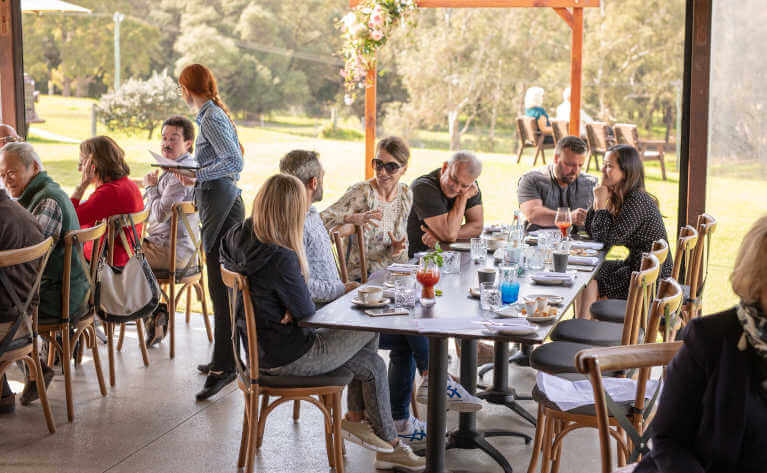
pixel 561 184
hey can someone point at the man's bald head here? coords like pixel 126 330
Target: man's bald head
pixel 8 135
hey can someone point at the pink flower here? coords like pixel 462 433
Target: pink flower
pixel 376 18
pixel 376 35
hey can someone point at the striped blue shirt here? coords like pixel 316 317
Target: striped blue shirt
pixel 217 148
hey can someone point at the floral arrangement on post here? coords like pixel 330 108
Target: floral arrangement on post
pixel 365 29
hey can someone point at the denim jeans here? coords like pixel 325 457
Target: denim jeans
pixel 407 353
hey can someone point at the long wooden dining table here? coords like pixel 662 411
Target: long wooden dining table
pixel 455 314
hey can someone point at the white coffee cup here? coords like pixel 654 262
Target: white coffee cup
pixel 370 294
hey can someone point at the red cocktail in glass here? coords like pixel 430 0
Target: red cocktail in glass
pixel 428 276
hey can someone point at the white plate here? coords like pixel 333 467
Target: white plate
pixel 551 299
pixel 460 246
pixel 541 320
pixel 511 311
pixel 511 329
pixel 380 303
pixel 388 284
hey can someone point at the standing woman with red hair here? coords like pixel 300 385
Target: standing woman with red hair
pixel 218 153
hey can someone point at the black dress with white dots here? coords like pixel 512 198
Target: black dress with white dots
pixel 637 225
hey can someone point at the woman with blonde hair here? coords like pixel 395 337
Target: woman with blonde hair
pixel 712 411
pixel 218 152
pixel 268 248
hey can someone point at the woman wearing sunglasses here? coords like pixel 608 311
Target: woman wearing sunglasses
pixel 381 205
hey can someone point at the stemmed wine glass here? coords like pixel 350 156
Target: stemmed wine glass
pixel 564 221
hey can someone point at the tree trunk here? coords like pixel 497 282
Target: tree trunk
pixel 454 130
pixel 66 89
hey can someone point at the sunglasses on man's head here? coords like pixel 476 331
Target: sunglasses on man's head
pixel 390 168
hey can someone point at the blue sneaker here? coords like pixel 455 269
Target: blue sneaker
pixel 414 434
pixel 458 398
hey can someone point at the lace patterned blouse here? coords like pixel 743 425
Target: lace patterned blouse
pixel 361 197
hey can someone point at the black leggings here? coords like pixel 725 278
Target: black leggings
pixel 223 356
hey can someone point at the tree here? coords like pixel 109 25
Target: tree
pixel 140 105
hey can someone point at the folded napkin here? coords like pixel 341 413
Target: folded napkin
pixel 583 260
pixel 551 276
pixel 402 267
pixel 573 394
pixel 589 245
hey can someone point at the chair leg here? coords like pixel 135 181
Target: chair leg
pixel 110 329
pixel 33 365
pixel 253 408
pixel 200 290
pixel 142 341
pixel 188 303
pixel 539 428
pixel 91 333
pixel 521 150
pixel 172 318
pixel 414 404
pixel 66 355
pixel 296 410
pixel 329 448
pixel 262 420
pixel 548 438
pixel 121 338
pixel 559 424
pixel 338 441
pixel 245 429
pixel 662 166
pixel 51 351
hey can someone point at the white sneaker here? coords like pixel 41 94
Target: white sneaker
pixel 402 458
pixel 414 434
pixel 458 398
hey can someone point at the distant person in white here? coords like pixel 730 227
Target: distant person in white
pixel 563 111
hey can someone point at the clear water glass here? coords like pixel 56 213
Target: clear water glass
pixel 451 262
pixel 405 293
pixel 489 296
pixel 535 258
pixel 478 250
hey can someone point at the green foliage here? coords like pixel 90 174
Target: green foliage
pixel 329 133
pixel 140 105
pixel 434 256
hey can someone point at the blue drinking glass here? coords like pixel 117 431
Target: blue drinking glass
pixel 509 292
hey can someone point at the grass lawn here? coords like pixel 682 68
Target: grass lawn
pixel 735 202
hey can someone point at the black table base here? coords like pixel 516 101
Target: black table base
pixel 500 392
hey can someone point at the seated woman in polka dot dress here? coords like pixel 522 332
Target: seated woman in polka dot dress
pixel 623 214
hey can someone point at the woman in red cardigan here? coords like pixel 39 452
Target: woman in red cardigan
pixel 102 163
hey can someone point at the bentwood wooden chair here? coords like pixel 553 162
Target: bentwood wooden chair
pixel 84 327
pixel 189 277
pixel 530 136
pixel 649 150
pixel 15 347
pixel 558 356
pixel 559 129
pixel 598 141
pixel 116 224
pixel 643 357
pixel 341 253
pixel 327 388
pixel 554 423
pixel 706 226
pixel 614 310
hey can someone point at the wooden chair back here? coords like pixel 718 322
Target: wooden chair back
pixel 627 134
pixel 79 238
pixel 639 297
pixel 527 129
pixel 39 251
pixel 118 221
pixel 660 250
pixel 596 134
pixel 688 239
pixel 340 253
pixel 239 293
pixel 706 227
pixel 560 129
pixel 180 212
pixel 593 361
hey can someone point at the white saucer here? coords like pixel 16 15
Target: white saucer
pixel 383 302
pixel 541 320
pixel 511 311
pixel 551 299
pixel 474 292
pixel 460 246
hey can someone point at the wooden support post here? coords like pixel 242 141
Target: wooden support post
pixel 11 67
pixel 370 121
pixel 576 70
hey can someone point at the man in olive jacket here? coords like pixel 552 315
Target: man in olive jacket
pixel 22 173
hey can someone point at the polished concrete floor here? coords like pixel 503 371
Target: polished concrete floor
pixel 150 422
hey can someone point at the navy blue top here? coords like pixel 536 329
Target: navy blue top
pixel 276 286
